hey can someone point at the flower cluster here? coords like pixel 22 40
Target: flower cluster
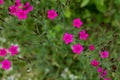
pixel 13 50
pixel 102 72
pixel 19 10
pixel 78 48
pixel 83 35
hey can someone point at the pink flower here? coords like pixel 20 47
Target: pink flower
pixel 1 2
pixel 3 52
pixel 20 10
pixel 107 79
pixel 21 14
pixel 28 7
pixel 77 23
pixel 14 49
pixel 95 63
pixel 83 35
pixel 100 70
pixel 68 38
pixel 17 2
pixel 52 14
pixel 27 4
pixel 13 10
pixel 103 74
pixel 78 48
pixel 91 47
pixel 104 54
pixel 6 64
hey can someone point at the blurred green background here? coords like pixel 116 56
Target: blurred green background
pixel 44 56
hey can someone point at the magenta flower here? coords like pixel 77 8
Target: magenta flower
pixel 17 2
pixel 14 49
pixel 95 63
pixel 100 70
pixel 1 2
pixel 104 54
pixel 28 7
pixel 107 79
pixel 21 14
pixel 77 23
pixel 27 4
pixel 52 14
pixel 91 47
pixel 6 64
pixel 13 10
pixel 68 38
pixel 3 52
pixel 78 48
pixel 20 10
pixel 103 74
pixel 83 35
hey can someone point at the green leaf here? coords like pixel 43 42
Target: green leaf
pixel 84 3
pixel 101 8
pixel 100 5
pixel 99 2
pixel 51 34
pixel 63 1
pixel 117 1
pixel 86 13
pixel 57 28
pixel 77 0
pixel 67 12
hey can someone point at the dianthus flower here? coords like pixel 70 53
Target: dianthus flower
pixel 77 23
pixel 100 69
pixel 21 14
pixel 20 10
pixel 3 52
pixel 91 47
pixel 104 54
pixel 103 73
pixel 52 14
pixel 83 35
pixel 68 38
pixel 14 49
pixel 95 63
pixel 6 64
pixel 78 48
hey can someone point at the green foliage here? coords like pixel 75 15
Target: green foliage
pixel 84 3
pixel 43 54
